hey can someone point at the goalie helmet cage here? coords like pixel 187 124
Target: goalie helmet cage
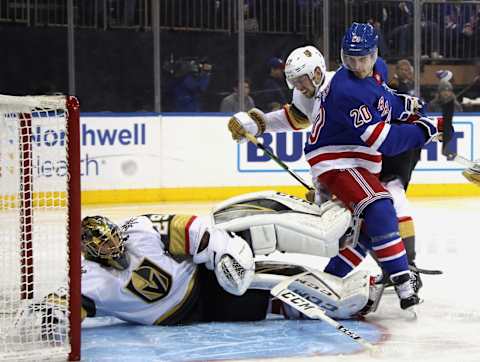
pixel 39 228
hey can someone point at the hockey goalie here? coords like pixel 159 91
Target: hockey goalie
pixel 175 269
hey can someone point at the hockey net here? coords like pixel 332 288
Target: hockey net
pixel 39 232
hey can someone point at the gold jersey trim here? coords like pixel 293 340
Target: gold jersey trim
pixel 170 314
pixel 407 228
pixel 179 238
pixel 295 117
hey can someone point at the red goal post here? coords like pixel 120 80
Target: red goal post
pixel 39 227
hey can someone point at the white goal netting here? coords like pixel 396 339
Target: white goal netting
pixel 34 231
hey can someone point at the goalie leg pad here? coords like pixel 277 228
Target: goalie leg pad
pixel 339 298
pixel 292 232
pixel 264 200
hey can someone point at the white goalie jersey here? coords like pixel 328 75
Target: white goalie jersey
pixel 155 286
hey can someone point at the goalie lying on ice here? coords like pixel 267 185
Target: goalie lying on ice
pixel 174 269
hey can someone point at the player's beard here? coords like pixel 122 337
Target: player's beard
pixel 309 94
pixel 363 74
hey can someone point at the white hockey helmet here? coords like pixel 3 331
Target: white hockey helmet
pixel 304 61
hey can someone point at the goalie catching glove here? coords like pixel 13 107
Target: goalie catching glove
pixel 253 122
pixel 229 256
pixel 45 320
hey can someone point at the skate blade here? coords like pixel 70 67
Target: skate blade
pixel 410 313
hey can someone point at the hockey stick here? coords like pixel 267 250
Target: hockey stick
pixel 425 271
pixel 311 310
pixel 447 114
pixel 279 162
pixel 280 290
pixel 468 87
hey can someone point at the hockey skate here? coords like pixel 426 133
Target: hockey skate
pixel 404 285
pixel 415 272
pixel 415 279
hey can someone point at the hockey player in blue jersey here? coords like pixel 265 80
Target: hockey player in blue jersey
pixel 351 129
pixel 345 154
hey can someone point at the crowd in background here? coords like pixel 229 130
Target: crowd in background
pixel 199 55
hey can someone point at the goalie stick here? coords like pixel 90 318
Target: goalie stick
pixel 278 161
pixel 303 305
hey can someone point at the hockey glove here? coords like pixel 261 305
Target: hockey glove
pixel 229 256
pixel 253 122
pixel 432 128
pixel 47 319
pixel 413 108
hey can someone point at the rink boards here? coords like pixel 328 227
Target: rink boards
pixel 152 157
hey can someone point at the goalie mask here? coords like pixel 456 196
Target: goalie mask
pixel 104 242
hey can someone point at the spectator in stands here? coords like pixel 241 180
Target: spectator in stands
pixel 404 32
pixel 444 75
pixel 460 21
pixel 402 80
pixel 471 93
pixel 274 91
pixel 475 90
pixel 250 22
pixel 189 87
pixel 128 12
pixel 112 13
pixel 444 95
pixel 231 103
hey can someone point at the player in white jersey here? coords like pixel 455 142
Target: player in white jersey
pixel 305 98
pixel 145 270
pixel 175 269
pixel 157 269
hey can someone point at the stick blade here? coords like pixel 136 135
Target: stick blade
pixel 472 175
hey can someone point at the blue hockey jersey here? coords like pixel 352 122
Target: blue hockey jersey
pixel 352 124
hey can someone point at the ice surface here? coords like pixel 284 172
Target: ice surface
pixel 447 328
